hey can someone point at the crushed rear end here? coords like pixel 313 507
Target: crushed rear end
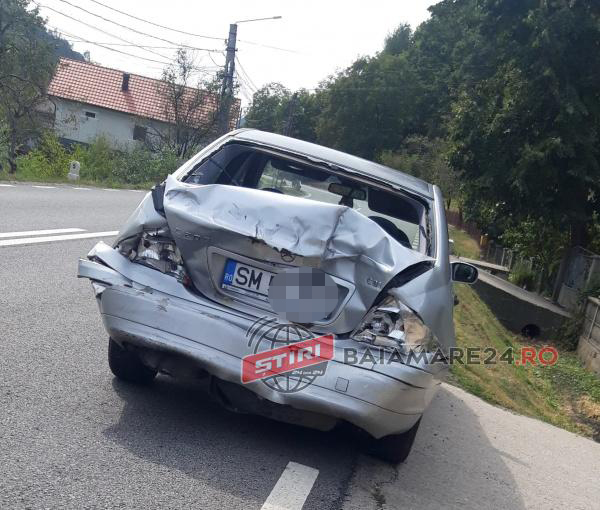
pixel 166 288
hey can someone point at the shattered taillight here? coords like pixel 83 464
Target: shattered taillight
pixel 392 325
pixel 156 249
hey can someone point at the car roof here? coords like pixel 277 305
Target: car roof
pixel 352 164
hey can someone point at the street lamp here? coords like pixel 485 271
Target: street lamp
pixel 257 19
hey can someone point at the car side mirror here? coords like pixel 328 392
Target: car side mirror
pixel 464 273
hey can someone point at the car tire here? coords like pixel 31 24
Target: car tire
pixel 395 448
pixel 127 366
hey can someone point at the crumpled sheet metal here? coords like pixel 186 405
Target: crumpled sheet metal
pixel 144 217
pixel 303 227
pixel 334 238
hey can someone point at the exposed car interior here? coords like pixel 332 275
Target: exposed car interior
pixel 404 218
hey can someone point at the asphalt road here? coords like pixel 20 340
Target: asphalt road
pixel 71 436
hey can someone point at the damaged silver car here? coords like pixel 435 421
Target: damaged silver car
pixel 263 237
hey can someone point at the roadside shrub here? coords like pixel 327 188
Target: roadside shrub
pixel 49 160
pixel 141 166
pixel 522 276
pixel 97 160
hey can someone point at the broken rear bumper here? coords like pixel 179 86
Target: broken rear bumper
pixel 150 310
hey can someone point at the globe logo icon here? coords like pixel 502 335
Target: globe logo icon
pixel 267 334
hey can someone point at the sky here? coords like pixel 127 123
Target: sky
pixel 313 40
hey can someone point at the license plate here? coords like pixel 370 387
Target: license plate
pixel 246 279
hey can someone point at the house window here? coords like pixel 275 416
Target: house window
pixel 139 133
pixel 90 115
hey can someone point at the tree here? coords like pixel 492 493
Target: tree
pixel 443 58
pixel 399 40
pixel 268 109
pixel 538 240
pixel 61 47
pixel 191 105
pixel 527 136
pixel 370 106
pixel 426 159
pixel 276 109
pixel 27 65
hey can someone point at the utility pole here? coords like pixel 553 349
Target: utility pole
pixel 226 97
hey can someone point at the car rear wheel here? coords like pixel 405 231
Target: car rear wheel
pixel 126 365
pixel 395 448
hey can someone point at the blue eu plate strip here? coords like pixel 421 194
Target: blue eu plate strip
pixel 229 272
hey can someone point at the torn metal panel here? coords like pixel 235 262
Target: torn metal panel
pixel 263 225
pixel 145 217
pixel 303 227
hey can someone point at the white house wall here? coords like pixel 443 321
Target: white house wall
pixel 72 123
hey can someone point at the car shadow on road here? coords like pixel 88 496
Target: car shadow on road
pixel 177 424
pixel 452 465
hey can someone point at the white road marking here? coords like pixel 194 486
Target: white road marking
pixel 43 187
pixel 40 232
pixel 86 189
pixel 292 488
pixel 110 189
pixel 50 239
pixel 7 185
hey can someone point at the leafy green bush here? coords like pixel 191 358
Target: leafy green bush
pixel 99 162
pixel 49 160
pixel 142 166
pixel 523 276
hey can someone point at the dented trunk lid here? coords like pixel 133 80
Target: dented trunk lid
pixel 213 224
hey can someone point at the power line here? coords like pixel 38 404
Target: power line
pixel 244 41
pixel 112 49
pixel 123 44
pixel 125 26
pixel 188 33
pixel 251 83
pixel 77 38
pixel 245 81
pixel 213 60
pixel 242 81
pixel 150 46
pixel 156 24
pixel 243 88
pixel 100 30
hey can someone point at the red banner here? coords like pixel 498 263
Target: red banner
pixel 286 359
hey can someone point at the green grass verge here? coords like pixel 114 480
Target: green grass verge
pixel 7 178
pixel 564 394
pixel 464 244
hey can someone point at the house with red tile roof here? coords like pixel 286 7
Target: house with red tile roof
pixel 126 109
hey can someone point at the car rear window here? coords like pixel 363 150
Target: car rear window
pixel 402 217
